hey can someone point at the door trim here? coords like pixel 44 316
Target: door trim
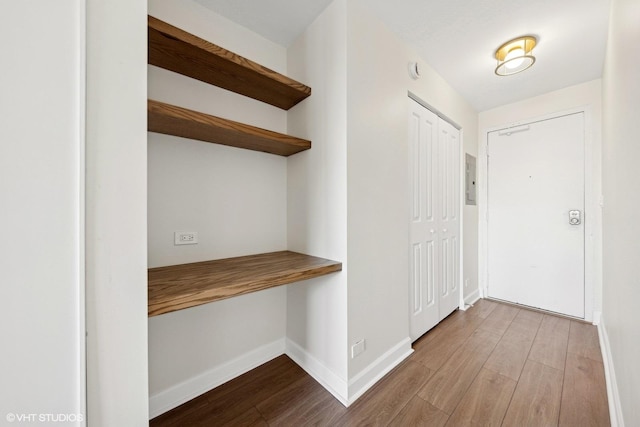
pixel 592 207
pixel 434 110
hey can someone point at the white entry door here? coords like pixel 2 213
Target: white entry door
pixel 536 214
pixel 434 170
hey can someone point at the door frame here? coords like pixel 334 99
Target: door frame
pixel 592 207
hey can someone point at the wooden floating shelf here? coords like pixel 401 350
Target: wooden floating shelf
pixel 178 121
pixel 176 50
pixel 188 285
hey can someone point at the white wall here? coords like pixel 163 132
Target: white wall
pixel 348 195
pixel 377 192
pixel 317 199
pixel 357 120
pixel 585 95
pixel 377 156
pixel 621 230
pixel 237 202
pixel 41 186
pixel 116 218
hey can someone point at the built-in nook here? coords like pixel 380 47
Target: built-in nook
pixel 182 286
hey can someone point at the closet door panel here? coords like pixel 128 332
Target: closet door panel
pixel 449 226
pixel 434 252
pixel 424 255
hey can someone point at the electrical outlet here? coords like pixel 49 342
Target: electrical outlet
pixel 185 238
pixel 357 348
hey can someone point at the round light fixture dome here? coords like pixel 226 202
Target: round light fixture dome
pixel 515 56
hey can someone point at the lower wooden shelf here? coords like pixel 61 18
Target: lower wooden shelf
pixel 182 286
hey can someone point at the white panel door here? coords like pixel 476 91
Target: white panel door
pixel 434 219
pixel 424 256
pixel 449 208
pixel 535 178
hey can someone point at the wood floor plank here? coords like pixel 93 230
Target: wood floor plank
pixel 449 383
pixel 500 318
pixel 511 353
pixel 583 340
pixel 419 413
pixel 465 320
pixel 319 410
pixel 529 317
pixel 435 353
pixel 176 416
pixel 486 401
pixel 239 395
pixel 482 308
pixel 386 399
pixel 435 349
pixel 550 344
pixel 455 321
pixel 584 395
pixel 236 415
pixel 536 400
pixel 259 383
pixel 439 330
pixel 249 418
pixel 297 398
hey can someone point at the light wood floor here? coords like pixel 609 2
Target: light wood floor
pixel 491 365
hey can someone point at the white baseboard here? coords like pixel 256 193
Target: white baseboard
pixel 615 410
pixel 193 387
pixel 472 297
pixel 362 382
pixel 325 376
pixel 347 393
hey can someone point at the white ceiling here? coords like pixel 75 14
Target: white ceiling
pixel 459 37
pixel 280 21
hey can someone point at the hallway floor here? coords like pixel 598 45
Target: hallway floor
pixel 494 364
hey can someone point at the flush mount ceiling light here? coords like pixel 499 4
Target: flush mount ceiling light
pixel 515 55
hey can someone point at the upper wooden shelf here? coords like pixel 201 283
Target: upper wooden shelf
pixel 176 50
pixel 187 285
pixel 178 121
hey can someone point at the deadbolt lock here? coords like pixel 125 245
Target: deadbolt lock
pixel 575 217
